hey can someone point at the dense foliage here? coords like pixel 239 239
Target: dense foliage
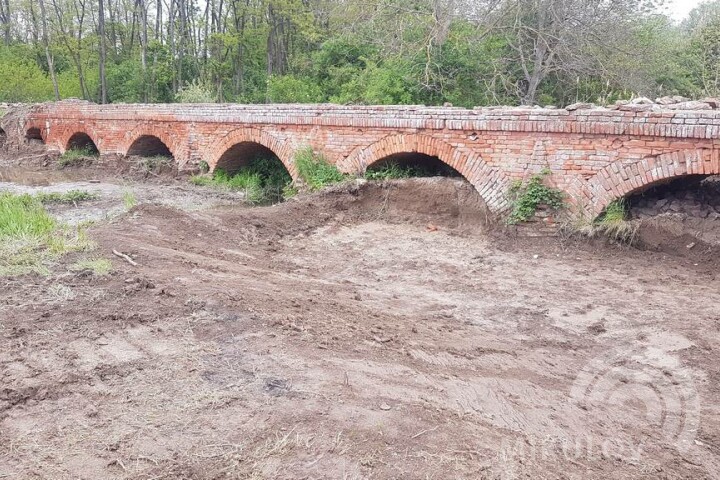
pixel 466 52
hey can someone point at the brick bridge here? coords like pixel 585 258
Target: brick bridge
pixel 595 155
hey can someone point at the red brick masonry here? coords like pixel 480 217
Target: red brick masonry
pixel 595 155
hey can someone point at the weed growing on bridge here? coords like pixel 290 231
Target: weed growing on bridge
pixel 76 156
pixel 526 197
pixel 71 196
pixel 614 223
pixel 30 238
pixel 315 170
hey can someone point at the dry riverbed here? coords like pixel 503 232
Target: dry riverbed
pixel 364 332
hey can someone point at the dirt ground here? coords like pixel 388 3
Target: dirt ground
pixel 365 332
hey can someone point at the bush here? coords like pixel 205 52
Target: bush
pixel 315 170
pixel 290 89
pixel 196 92
pixel 527 197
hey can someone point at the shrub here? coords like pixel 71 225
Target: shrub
pixel 290 89
pixel 196 92
pixel 315 170
pixel 527 197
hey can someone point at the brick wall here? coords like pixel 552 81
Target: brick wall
pixel 595 155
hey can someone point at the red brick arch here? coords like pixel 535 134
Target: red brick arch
pixel 489 182
pixel 622 178
pixel 64 139
pixel 222 144
pixel 171 141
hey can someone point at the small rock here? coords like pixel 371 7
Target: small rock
pixel 636 107
pixel 712 101
pixel 641 101
pixel 690 245
pixel 692 105
pixel 385 406
pixel 536 257
pixel 579 106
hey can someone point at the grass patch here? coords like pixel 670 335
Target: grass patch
pixel 155 163
pixel 614 224
pixel 526 197
pixel 395 171
pixel 98 266
pixel 129 199
pixel 77 156
pixel 71 196
pixel 316 171
pixel 30 239
pixel 263 180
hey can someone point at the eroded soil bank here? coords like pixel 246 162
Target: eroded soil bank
pixel 364 332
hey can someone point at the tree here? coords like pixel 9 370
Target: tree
pixel 568 37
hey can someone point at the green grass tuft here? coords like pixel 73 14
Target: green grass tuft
pixel 315 170
pixel 71 196
pixel 30 239
pixel 76 156
pixel 129 199
pixel 263 180
pixel 614 224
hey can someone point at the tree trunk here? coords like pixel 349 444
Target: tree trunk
pixel 103 53
pixel 48 54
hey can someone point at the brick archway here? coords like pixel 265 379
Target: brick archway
pixel 283 150
pixel 64 139
pixel 158 131
pixel 622 178
pixel 490 183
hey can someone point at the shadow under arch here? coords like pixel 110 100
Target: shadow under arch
pixel 34 134
pixel 621 178
pixel 81 141
pixel 149 146
pixel 490 183
pixel 240 146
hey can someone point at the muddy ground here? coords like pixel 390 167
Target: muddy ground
pixel 364 332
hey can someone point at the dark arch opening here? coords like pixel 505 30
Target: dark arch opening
pixel 255 170
pixel 81 141
pixel 33 135
pixel 696 195
pixel 3 137
pixel 245 154
pixel 149 146
pixel 405 165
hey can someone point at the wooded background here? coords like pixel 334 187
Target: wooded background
pixel 466 52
